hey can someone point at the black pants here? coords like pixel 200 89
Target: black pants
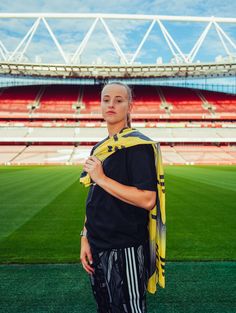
pixel 119 281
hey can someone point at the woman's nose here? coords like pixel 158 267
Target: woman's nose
pixel 111 103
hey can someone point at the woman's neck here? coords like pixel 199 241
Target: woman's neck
pixel 114 129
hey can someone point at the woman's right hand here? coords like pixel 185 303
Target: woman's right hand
pixel 86 255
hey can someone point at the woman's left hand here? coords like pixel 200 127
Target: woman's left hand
pixel 94 167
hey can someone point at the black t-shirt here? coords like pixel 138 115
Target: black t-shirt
pixel 111 222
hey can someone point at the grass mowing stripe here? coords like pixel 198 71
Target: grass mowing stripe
pixel 222 179
pixel 28 194
pixel 51 235
pixel 223 168
pixel 10 169
pixel 200 221
pixel 17 176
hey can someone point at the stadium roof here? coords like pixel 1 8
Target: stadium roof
pixel 119 71
pixel 105 40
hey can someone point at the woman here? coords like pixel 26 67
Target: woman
pixel 114 241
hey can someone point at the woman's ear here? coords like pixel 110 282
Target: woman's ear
pixel 130 107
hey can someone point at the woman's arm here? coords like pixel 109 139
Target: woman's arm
pixel 85 219
pixel 142 198
pixel 85 253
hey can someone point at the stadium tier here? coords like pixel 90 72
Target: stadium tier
pixel 67 154
pixel 69 144
pixel 85 134
pixel 150 102
pixel 58 124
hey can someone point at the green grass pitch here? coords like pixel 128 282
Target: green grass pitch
pixel 42 211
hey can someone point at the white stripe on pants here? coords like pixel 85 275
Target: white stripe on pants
pixel 131 272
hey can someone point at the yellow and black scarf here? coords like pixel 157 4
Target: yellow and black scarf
pixel 157 216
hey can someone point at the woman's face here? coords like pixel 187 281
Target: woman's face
pixel 114 98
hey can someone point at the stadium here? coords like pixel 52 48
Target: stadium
pixel 50 118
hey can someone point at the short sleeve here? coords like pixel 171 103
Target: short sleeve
pixel 141 167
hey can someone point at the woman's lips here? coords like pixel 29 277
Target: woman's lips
pixel 110 112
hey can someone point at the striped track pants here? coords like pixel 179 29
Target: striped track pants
pixel 119 281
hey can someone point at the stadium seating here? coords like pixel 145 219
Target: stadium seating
pixel 17 99
pixel 224 103
pixel 146 101
pixel 59 124
pixel 83 102
pixel 58 100
pixel 183 100
pixel 91 100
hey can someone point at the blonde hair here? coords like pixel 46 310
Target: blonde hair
pixel 129 93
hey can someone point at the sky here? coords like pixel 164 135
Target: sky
pixel 127 33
